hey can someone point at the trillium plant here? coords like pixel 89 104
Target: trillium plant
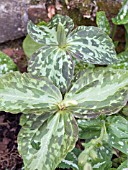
pixel 51 97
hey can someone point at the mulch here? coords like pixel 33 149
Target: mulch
pixel 9 128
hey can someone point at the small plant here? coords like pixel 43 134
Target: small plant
pixel 50 99
pixel 6 64
pixel 60 44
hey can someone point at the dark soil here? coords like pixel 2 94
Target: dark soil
pixel 9 128
pixel 9 123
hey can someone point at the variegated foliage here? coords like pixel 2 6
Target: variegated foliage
pixel 98 91
pixel 122 17
pixel 89 44
pixel 44 142
pixel 111 131
pixel 22 93
pixel 122 61
pixel 49 130
pixel 102 22
pixel 6 64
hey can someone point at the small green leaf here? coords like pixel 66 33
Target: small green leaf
pixel 71 160
pixel 103 162
pixel 118 126
pixel 122 17
pixel 118 133
pixel 30 46
pixel 53 63
pixel 61 36
pixel 120 144
pixel 123 166
pixel 122 61
pixel 22 93
pixel 98 91
pixel 97 154
pixel 6 64
pixel 66 21
pixel 89 128
pixel 103 22
pixel 56 136
pixel 91 45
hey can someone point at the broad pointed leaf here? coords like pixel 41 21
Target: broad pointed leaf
pixel 98 91
pixel 66 21
pixel 91 45
pixel 54 64
pixel 103 22
pixel 45 146
pixel 22 93
pixel 122 17
pixel 6 64
pixel 42 34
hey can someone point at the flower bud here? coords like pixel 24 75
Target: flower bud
pixel 93 154
pixel 87 166
pixel 82 159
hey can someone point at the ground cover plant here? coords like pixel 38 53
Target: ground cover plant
pixel 6 64
pixel 58 105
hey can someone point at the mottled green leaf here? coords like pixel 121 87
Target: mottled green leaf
pixel 91 45
pixel 103 162
pixel 43 143
pixel 30 46
pixel 89 128
pixel 122 61
pixel 53 63
pixel 6 64
pixel 98 91
pixel 66 21
pixel 97 153
pixel 120 144
pixel 30 125
pixel 118 126
pixel 123 166
pixel 102 21
pixel 122 17
pixel 71 160
pixel 22 93
pixel 118 133
pixel 42 34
